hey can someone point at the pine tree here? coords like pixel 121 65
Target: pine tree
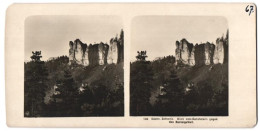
pixel 141 56
pixel 68 94
pixel 172 102
pixel 141 76
pixel 35 86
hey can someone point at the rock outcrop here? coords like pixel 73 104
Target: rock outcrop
pixel 199 54
pixel 116 49
pixel 98 53
pixel 192 57
pixel 183 52
pixel 113 51
pixel 102 53
pixel 121 47
pixel 202 54
pixel 221 51
pixel 77 52
pixel 209 52
pixel 85 59
pixel 71 51
pixel 93 54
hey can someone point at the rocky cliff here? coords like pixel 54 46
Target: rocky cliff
pixel 202 54
pixel 98 53
pixel 183 51
pixel 113 51
pixel 221 51
pixel 209 52
pixel 77 52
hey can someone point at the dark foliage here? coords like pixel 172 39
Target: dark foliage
pixel 121 47
pixel 189 91
pixel 141 56
pixel 55 89
pixel 35 86
pixel 140 77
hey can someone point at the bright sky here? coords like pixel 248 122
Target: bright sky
pixel 51 34
pixel 158 34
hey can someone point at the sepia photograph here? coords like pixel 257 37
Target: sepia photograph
pixel 131 65
pixel 73 66
pixel 179 66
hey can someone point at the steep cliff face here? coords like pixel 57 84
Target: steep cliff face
pixel 177 52
pixel 113 51
pixel 97 54
pixel 199 54
pixel 184 52
pixel 93 54
pixel 209 52
pixel 121 47
pixel 192 57
pixel 77 52
pixel 85 59
pixel 71 52
pixel 226 48
pixel 202 54
pixel 102 53
pixel 220 51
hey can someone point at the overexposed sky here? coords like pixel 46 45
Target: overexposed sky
pixel 158 34
pixel 155 34
pixel 51 34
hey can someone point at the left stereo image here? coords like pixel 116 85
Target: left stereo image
pixel 73 66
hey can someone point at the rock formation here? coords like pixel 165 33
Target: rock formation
pixel 98 53
pixel 113 51
pixel 77 52
pixel 71 51
pixel 85 59
pixel 184 52
pixel 177 52
pixel 202 54
pixel 192 57
pixel 209 52
pixel 102 53
pixel 221 51
pixel 116 49
pixel 199 54
pixel 93 54
pixel 121 47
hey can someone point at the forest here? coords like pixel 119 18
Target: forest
pixel 53 88
pixel 162 88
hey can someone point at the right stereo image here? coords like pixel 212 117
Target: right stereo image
pixel 179 66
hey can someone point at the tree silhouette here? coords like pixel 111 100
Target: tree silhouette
pixel 68 94
pixel 35 86
pixel 141 75
pixel 174 94
pixel 36 57
pixel 141 56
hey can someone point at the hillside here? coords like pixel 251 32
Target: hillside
pixel 199 89
pixel 215 75
pixel 109 75
pixel 93 90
